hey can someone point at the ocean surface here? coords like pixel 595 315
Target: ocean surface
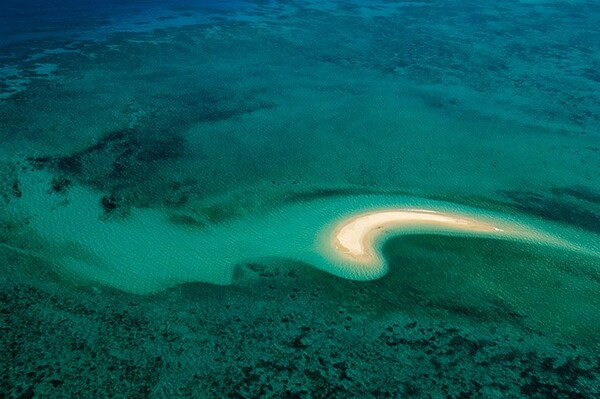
pixel 171 173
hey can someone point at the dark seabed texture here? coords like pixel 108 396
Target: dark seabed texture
pixel 164 163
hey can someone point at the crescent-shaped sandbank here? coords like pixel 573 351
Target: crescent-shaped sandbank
pixel 354 237
pixel 353 243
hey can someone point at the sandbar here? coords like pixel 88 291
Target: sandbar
pixel 354 238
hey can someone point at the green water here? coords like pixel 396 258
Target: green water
pixel 182 176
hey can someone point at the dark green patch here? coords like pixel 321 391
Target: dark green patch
pixel 186 220
pixel 9 184
pixel 579 192
pixel 109 204
pixel 220 213
pixel 60 184
pixel 122 163
pixel 323 193
pixel 592 74
pixel 556 209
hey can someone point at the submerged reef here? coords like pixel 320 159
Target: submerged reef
pixel 121 163
pixel 321 337
pixel 570 205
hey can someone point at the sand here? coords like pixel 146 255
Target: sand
pixel 353 244
pixel 354 237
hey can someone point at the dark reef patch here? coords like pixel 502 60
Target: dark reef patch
pixel 321 193
pixel 557 208
pixel 592 73
pixel 416 46
pixel 203 105
pixel 123 154
pixel 9 184
pixel 312 344
pixel 324 193
pixel 124 164
pixel 60 184
pixel 186 220
pixel 579 192
pixel 109 204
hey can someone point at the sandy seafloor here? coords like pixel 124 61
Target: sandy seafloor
pixel 212 112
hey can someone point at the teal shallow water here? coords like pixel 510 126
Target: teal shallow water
pixel 148 250
pixel 216 152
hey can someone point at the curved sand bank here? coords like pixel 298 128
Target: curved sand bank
pixel 353 243
pixel 146 252
pixel 354 237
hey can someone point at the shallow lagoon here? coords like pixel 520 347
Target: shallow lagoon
pixel 207 116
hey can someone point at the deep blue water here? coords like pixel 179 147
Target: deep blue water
pixel 73 19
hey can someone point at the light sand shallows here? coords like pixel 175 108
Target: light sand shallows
pixel 145 252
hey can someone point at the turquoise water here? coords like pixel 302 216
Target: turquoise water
pixel 169 172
